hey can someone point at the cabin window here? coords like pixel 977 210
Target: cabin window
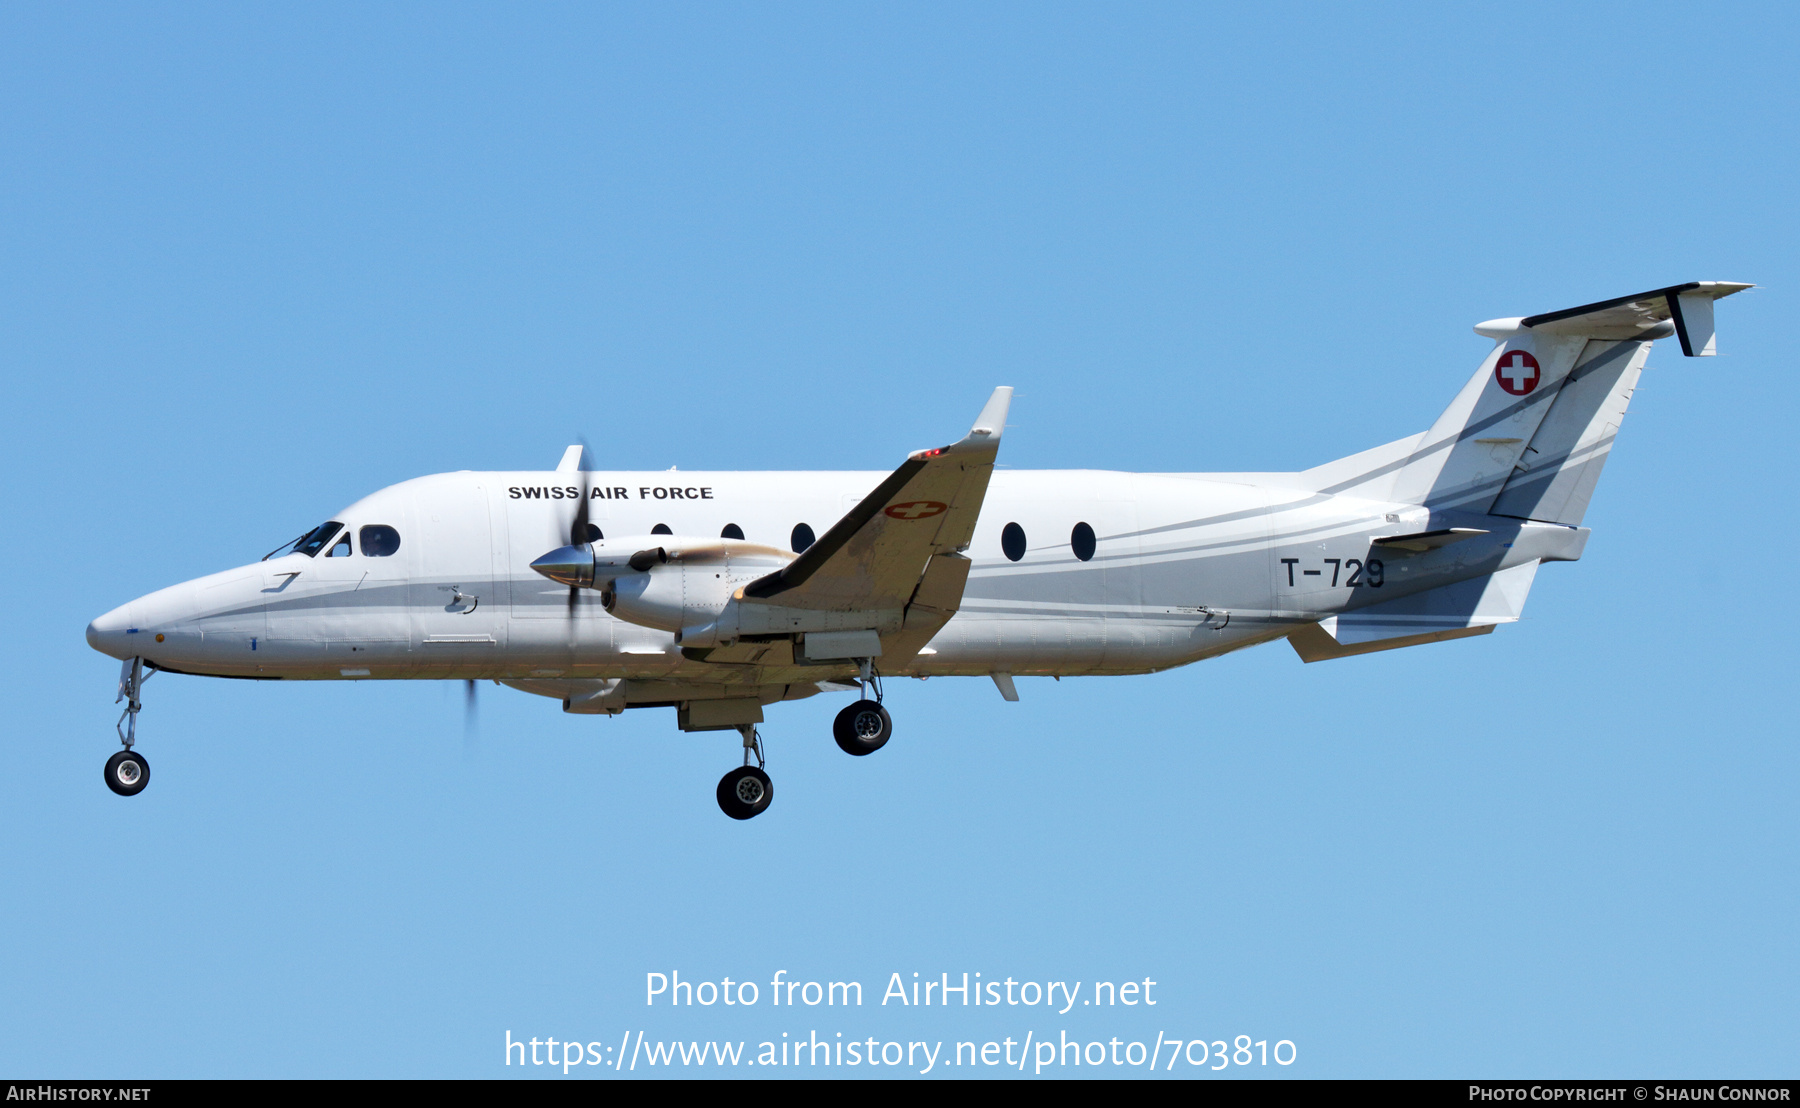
pixel 1012 542
pixel 732 531
pixel 661 529
pixel 593 534
pixel 314 541
pixel 1082 541
pixel 341 548
pixel 378 540
pixel 802 537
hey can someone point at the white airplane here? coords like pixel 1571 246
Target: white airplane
pixel 717 594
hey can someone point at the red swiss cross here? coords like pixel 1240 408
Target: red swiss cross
pixel 916 509
pixel 1517 372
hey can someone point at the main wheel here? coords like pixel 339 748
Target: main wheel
pixel 862 728
pixel 745 792
pixel 127 773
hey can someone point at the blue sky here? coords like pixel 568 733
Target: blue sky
pixel 258 262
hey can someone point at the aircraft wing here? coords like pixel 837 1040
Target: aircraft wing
pixel 900 547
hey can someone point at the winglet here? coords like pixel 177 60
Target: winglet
pixel 991 423
pixel 985 434
pixel 573 460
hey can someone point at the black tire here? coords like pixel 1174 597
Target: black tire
pixel 127 773
pixel 745 792
pixel 862 728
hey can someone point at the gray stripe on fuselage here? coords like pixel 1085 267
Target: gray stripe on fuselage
pixel 1247 513
pixel 1442 444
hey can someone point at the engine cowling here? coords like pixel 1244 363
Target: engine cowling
pixel 684 586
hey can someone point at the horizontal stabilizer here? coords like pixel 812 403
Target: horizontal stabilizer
pixel 1472 607
pixel 1687 308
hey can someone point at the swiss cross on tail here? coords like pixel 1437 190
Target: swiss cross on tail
pixel 1517 372
pixel 917 509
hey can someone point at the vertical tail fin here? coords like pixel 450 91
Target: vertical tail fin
pixel 1530 432
pixel 1556 474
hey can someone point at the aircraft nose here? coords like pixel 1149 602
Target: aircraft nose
pixel 568 565
pixel 109 633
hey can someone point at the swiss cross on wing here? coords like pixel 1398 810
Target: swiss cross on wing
pixel 1517 372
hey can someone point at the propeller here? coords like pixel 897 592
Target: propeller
pixel 471 714
pixel 581 532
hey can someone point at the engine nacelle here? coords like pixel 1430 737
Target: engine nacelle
pixel 672 583
pixel 672 595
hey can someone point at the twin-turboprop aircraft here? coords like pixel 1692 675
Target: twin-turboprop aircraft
pixel 719 594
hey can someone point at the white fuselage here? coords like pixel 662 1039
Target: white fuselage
pixel 1183 567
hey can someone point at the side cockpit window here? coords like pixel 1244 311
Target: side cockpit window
pixel 340 548
pixel 314 540
pixel 378 540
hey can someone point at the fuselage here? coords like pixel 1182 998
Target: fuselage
pixel 1180 567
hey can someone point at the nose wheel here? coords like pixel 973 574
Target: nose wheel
pixel 127 772
pixel 745 792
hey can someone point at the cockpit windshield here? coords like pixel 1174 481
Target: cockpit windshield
pixel 308 544
pixel 314 541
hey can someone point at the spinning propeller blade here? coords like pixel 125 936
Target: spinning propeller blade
pixel 580 531
pixel 471 715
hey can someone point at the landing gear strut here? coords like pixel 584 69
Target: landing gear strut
pixel 127 772
pixel 865 726
pixel 747 790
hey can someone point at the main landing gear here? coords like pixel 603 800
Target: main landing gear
pixel 862 728
pixel 127 772
pixel 865 726
pixel 747 790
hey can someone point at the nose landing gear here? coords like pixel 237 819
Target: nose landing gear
pixel 127 772
pixel 746 791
